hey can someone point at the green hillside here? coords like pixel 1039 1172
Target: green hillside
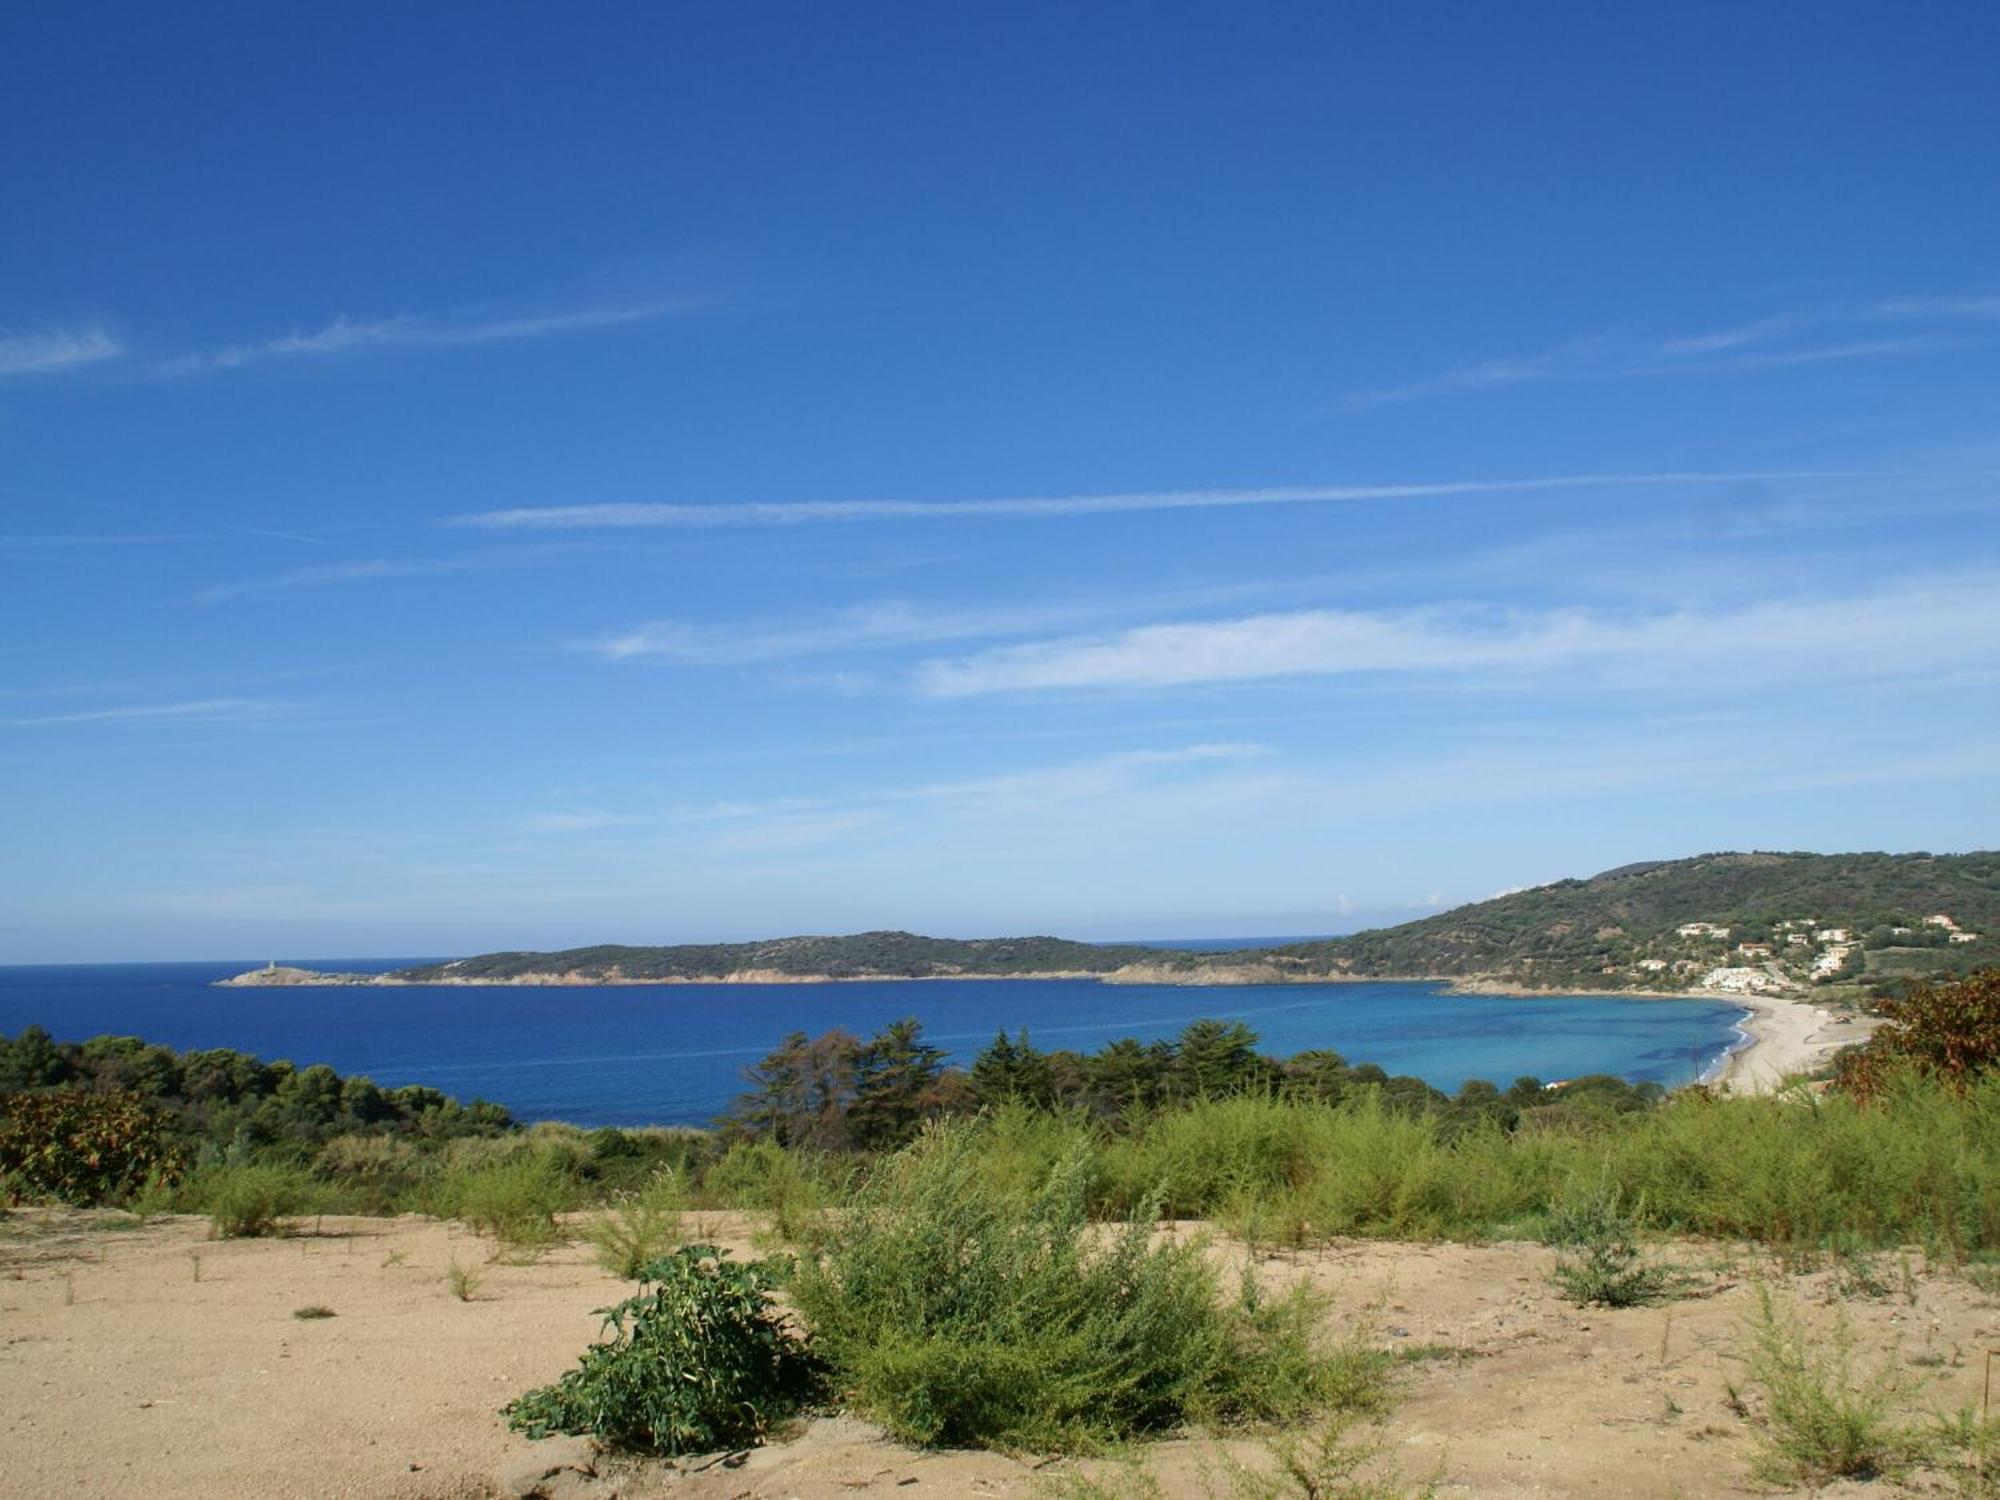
pixel 1599 931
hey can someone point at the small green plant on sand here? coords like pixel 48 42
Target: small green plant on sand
pixel 1326 1462
pixel 1973 1445
pixel 1599 1262
pixel 462 1281
pixel 697 1361
pixel 640 1227
pixel 308 1314
pixel 1824 1417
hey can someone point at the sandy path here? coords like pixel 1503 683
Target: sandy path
pixel 149 1383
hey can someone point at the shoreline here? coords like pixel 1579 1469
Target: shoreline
pixel 1781 1039
pixel 1778 1036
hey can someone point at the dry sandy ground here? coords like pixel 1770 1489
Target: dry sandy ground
pixel 123 1373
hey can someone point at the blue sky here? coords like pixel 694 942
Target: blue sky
pixel 520 476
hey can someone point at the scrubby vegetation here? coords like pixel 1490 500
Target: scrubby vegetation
pixel 958 1309
pixel 699 1360
pixel 1948 1032
pixel 1903 1148
pixel 221 1098
pixel 1825 1416
pixel 1601 1263
pixel 639 1226
pixel 84 1148
pixel 985 1257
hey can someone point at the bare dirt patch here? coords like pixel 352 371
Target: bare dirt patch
pixel 155 1361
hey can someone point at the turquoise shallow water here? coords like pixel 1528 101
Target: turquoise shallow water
pixel 674 1054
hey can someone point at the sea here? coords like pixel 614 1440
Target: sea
pixel 674 1054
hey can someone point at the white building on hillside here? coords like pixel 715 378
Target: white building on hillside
pixel 1742 981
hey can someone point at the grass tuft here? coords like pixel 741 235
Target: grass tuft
pixel 462 1281
pixel 1825 1418
pixel 1600 1263
pixel 640 1226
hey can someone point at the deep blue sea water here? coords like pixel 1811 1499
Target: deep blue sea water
pixel 674 1054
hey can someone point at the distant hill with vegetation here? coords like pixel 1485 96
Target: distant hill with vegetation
pixel 863 955
pixel 1874 913
pixel 1730 922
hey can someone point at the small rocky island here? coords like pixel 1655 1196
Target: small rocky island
pixel 277 974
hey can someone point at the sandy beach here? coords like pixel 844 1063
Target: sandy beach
pixel 122 1374
pixel 1785 1037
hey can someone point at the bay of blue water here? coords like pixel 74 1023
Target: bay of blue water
pixel 674 1054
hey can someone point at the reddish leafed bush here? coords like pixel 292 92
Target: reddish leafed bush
pixel 82 1147
pixel 1949 1032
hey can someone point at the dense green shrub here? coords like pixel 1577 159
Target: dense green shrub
pixel 697 1361
pixel 959 1313
pixel 83 1148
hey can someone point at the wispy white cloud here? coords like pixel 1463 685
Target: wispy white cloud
pixel 789 832
pixel 786 823
pixel 54 350
pixel 1078 779
pixel 1943 623
pixel 332 573
pixel 409 331
pixel 1856 349
pixel 191 711
pixel 573 820
pixel 1738 349
pixel 886 624
pixel 90 539
pixel 1977 306
pixel 1565 363
pixel 1724 339
pixel 808 512
pixel 868 625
